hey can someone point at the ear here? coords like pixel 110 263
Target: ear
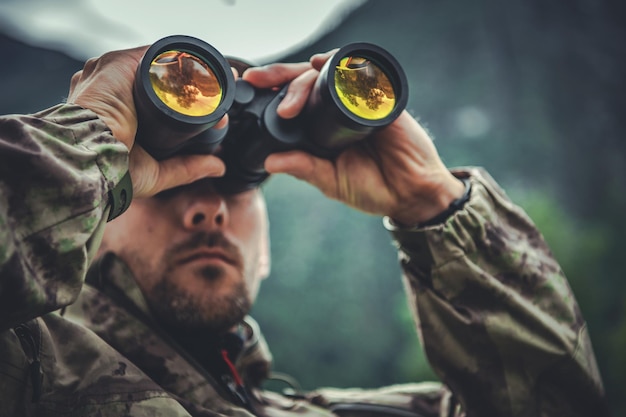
pixel 264 261
pixel 264 265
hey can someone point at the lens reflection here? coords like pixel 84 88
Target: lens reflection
pixel 364 88
pixel 185 83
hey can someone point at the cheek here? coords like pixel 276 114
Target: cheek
pixel 136 235
pixel 141 232
pixel 151 237
pixel 144 254
pixel 146 223
pixel 150 230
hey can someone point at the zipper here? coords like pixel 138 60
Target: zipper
pixel 30 346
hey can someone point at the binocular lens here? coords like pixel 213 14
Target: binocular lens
pixel 184 86
pixel 185 83
pixel 364 88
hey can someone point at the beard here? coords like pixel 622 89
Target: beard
pixel 218 306
pixel 175 307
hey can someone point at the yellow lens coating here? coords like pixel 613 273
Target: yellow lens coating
pixel 364 88
pixel 185 83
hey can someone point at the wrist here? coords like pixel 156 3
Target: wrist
pixel 454 206
pixel 448 203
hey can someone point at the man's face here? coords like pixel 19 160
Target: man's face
pixel 197 256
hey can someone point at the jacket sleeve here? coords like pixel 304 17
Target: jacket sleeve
pixel 496 316
pixel 56 169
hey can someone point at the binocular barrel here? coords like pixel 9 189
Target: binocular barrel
pixel 184 86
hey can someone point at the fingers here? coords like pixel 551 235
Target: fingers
pixel 74 82
pixel 222 123
pixel 300 76
pixel 318 60
pixel 112 57
pixel 274 75
pixel 278 74
pixel 316 171
pixel 150 176
pixel 185 169
pixel 297 94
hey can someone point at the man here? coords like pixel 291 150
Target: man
pixel 167 297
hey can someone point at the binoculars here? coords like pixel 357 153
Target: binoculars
pixel 184 86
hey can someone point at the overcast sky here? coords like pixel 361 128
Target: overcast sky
pixel 250 29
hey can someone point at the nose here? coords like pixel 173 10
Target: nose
pixel 208 211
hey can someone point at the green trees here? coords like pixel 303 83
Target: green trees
pixel 533 92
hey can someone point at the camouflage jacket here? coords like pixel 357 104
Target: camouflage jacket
pixel 494 312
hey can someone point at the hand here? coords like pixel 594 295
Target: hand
pixel 105 86
pixel 395 172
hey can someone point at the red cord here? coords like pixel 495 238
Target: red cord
pixel 233 370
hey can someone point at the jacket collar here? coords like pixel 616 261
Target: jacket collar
pixel 247 347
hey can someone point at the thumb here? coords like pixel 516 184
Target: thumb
pixel 185 169
pixel 173 172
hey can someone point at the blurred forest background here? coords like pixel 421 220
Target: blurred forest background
pixel 533 91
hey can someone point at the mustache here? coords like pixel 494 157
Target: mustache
pixel 214 239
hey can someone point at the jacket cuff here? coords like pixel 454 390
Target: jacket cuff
pixel 92 134
pixel 425 247
pixel 120 197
